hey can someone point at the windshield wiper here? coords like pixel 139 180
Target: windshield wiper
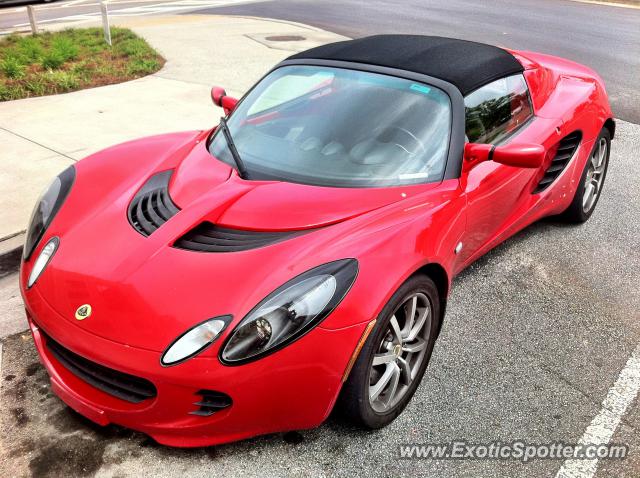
pixel 242 170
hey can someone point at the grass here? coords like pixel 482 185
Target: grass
pixel 74 59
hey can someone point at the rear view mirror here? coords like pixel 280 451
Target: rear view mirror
pixel 220 98
pixel 519 155
pixel 523 155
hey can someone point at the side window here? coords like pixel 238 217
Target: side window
pixel 497 109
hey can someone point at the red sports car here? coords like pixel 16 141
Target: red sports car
pixel 208 286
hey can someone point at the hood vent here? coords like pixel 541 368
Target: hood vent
pixel 208 237
pixel 152 206
pixel 566 149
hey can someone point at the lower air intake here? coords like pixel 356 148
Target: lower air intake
pixel 119 384
pixel 210 403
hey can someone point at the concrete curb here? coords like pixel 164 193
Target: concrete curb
pixel 11 253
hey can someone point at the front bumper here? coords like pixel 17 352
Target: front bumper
pixel 292 389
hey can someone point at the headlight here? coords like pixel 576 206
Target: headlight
pixel 43 259
pixel 46 208
pixel 194 340
pixel 290 312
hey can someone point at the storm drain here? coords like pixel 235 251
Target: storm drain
pixel 285 38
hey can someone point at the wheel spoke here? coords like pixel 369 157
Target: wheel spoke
pixel 395 328
pixel 379 359
pixel 602 152
pixel 376 390
pixel 405 371
pixel 416 346
pixel 595 157
pixel 596 186
pixel 424 313
pixel 393 386
pixel 410 311
pixel 588 193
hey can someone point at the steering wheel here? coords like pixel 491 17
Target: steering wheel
pixel 418 145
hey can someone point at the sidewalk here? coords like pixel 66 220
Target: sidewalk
pixel 40 137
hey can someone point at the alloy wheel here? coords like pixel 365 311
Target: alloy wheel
pixel 595 175
pixel 401 352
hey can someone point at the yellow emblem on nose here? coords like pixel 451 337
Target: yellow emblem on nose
pixel 83 312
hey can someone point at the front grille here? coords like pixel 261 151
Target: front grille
pixel 152 206
pixel 208 237
pixel 566 149
pixel 210 403
pixel 119 384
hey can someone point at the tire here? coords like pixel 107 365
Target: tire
pixel 354 402
pixel 578 212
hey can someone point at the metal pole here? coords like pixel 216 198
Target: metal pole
pixel 32 19
pixel 105 22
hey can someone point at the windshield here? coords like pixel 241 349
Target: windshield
pixel 339 127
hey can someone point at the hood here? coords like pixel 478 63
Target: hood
pixel 143 291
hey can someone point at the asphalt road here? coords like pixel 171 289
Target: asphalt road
pixel 605 38
pixel 536 334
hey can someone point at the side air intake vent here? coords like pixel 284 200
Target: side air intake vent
pixel 210 403
pixel 151 207
pixel 566 149
pixel 208 237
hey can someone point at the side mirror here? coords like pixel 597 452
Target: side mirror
pixel 519 155
pixel 220 98
pixel 523 155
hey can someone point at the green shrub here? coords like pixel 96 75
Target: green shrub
pixel 36 86
pixel 61 81
pixel 143 66
pixel 12 67
pixel 30 48
pixel 132 47
pixel 4 93
pixel 64 48
pixel 52 60
pixel 12 92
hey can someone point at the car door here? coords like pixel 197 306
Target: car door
pixel 494 113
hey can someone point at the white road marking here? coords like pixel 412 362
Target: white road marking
pixel 609 3
pixel 71 3
pixel 603 426
pixel 140 10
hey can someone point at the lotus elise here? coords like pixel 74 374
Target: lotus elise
pixel 208 286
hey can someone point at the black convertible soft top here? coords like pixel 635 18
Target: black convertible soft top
pixel 465 64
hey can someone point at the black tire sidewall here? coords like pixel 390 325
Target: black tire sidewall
pixel 357 387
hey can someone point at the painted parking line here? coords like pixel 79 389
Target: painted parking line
pixel 603 426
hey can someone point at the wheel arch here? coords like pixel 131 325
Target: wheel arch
pixel 610 124
pixel 438 274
